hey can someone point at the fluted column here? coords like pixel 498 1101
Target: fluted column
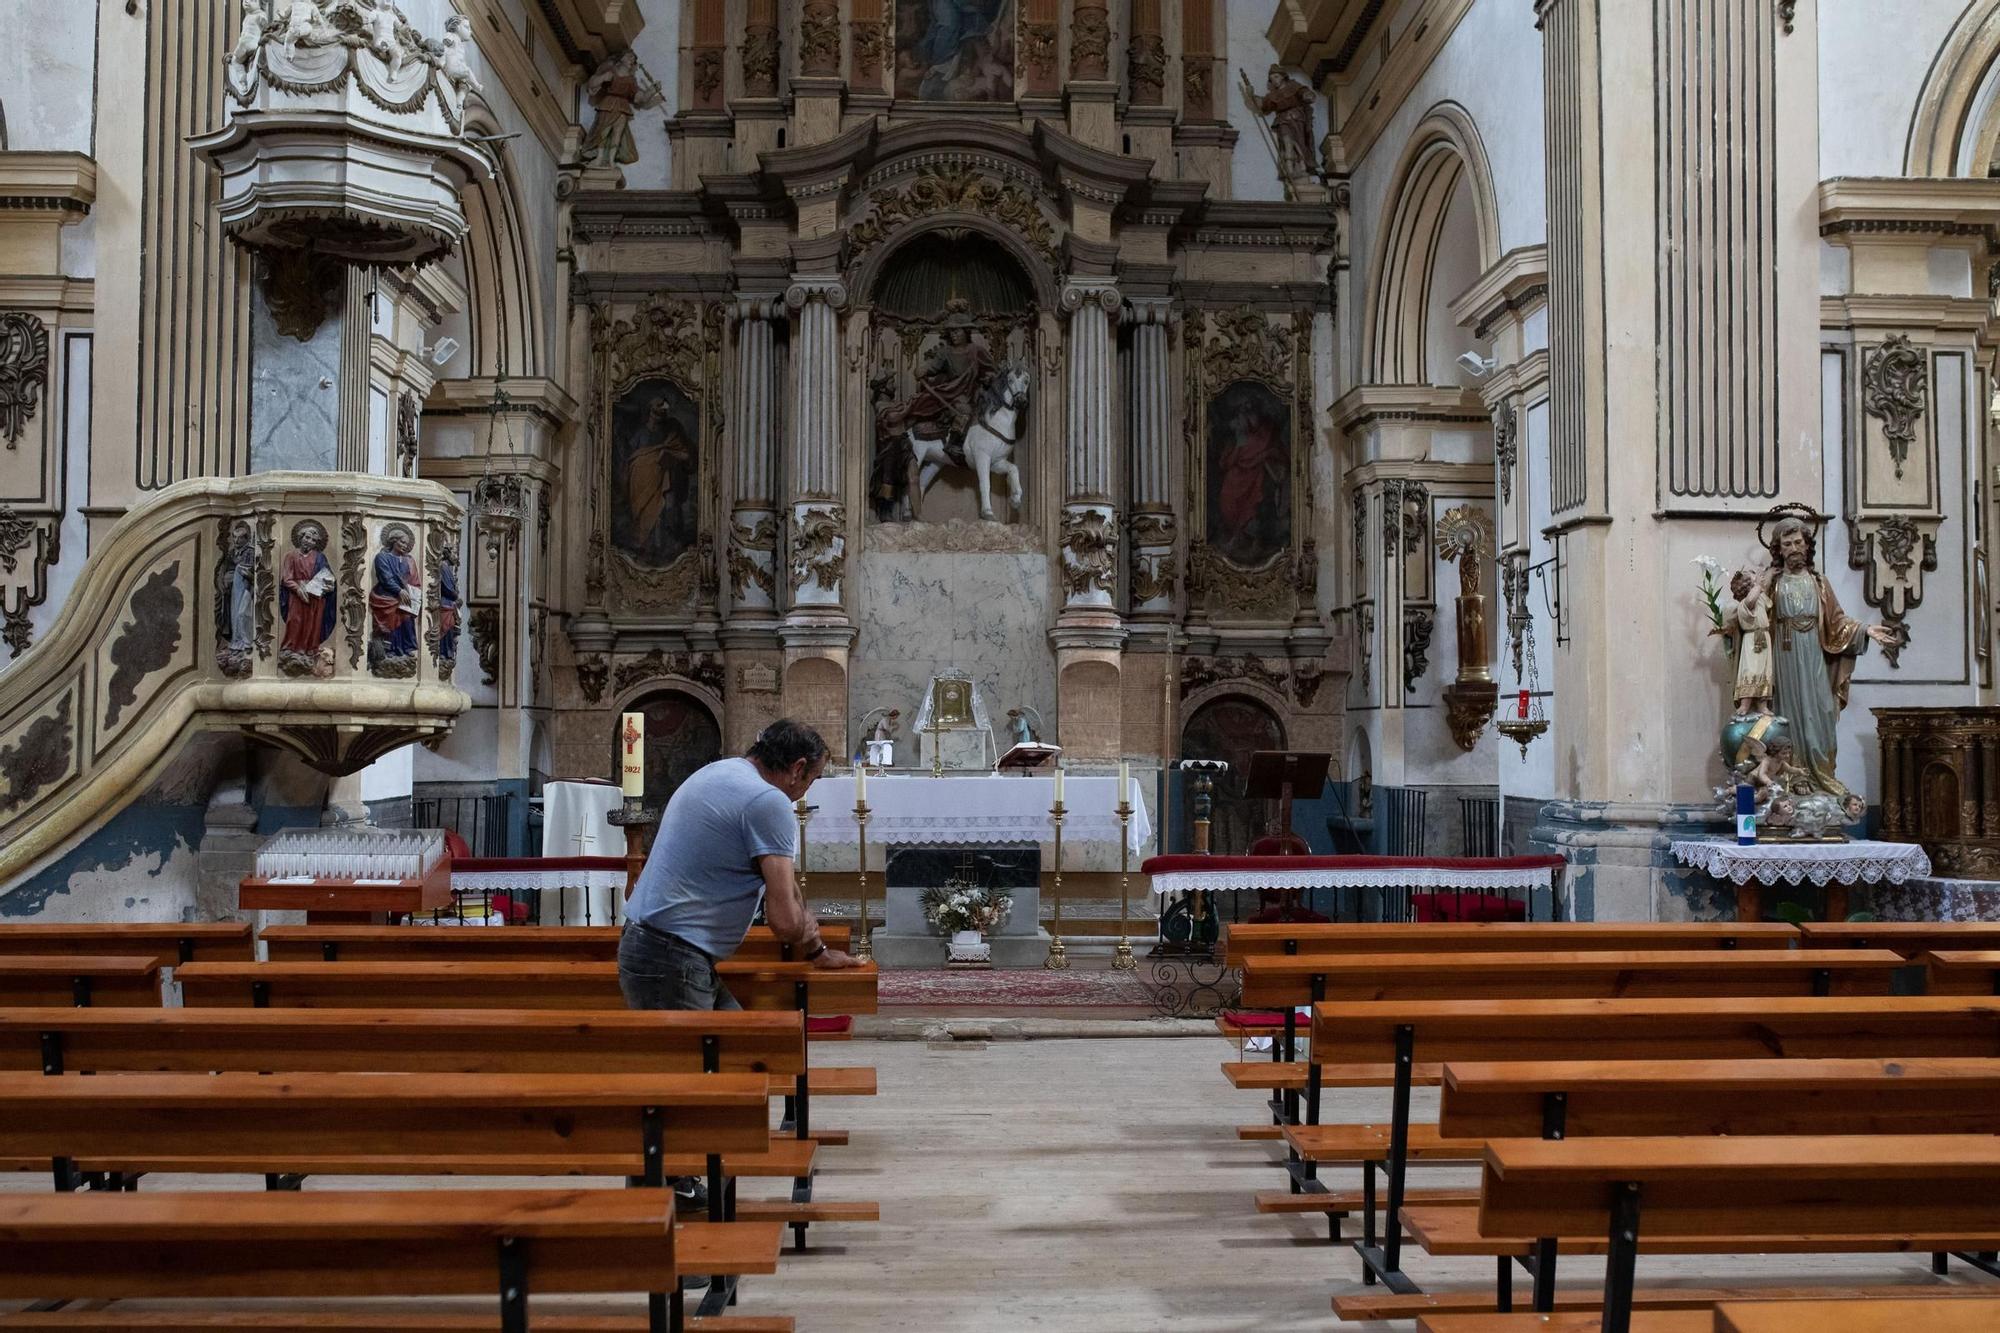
pixel 1090 519
pixel 1149 433
pixel 753 517
pixel 819 520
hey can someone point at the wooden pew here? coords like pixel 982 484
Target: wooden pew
pixel 1278 982
pixel 1798 1195
pixel 1912 939
pixel 168 943
pixel 503 1243
pixel 1979 1315
pixel 1696 1310
pixel 80 980
pixel 1962 972
pixel 1729 1028
pixel 1259 940
pixel 422 944
pixel 363 1319
pixel 298 1124
pixel 1486 1101
pixel 505 985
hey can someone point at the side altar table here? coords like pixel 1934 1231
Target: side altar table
pixel 1833 866
pixel 982 811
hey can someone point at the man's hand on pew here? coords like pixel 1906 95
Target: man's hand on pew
pixel 833 960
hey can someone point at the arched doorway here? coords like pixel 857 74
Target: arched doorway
pixel 1232 728
pixel 681 736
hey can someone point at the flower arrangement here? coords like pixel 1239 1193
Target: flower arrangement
pixel 950 908
pixel 1711 595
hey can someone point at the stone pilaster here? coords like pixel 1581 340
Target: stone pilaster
pixel 1154 526
pixel 817 634
pixel 752 572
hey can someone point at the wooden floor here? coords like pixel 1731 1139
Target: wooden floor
pixel 1094 1187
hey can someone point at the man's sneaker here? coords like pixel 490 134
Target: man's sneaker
pixel 690 1195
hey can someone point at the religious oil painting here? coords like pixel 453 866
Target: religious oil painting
pixel 1249 473
pixel 1233 728
pixel 655 473
pixel 955 50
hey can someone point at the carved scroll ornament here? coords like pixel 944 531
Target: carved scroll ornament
pixel 1895 390
pixel 24 371
pixel 955 187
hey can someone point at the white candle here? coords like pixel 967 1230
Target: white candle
pixel 1124 782
pixel 632 746
pixel 860 783
pixel 1059 774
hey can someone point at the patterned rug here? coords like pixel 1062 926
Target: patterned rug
pixel 936 986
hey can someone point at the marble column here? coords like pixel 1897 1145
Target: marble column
pixel 819 519
pixel 1150 434
pixel 753 518
pixel 1090 518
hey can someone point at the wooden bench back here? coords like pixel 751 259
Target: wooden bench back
pixel 1257 940
pixel 1912 939
pixel 1968 1314
pixel 1274 982
pixel 1745 1098
pixel 1963 972
pixel 172 1244
pixel 1727 1028
pixel 1936 1191
pixel 80 979
pixel 168 943
pixel 505 985
pixel 581 944
pixel 517 1041
pixel 144 1119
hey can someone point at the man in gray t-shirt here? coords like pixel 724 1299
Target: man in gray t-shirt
pixel 726 841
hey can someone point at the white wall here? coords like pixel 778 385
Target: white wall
pixel 659 50
pixel 48 64
pixel 1873 60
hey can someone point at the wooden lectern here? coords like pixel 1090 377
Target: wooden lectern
pixel 1279 775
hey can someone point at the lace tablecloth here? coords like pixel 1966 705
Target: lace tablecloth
pixel 981 811
pixel 1237 874
pixel 1823 863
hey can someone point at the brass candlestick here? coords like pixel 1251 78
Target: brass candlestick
pixel 864 947
pixel 1058 958
pixel 1121 958
pixel 937 746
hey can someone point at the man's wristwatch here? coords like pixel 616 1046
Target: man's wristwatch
pixel 819 947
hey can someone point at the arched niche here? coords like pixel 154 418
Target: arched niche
pixel 1955 130
pixel 1232 727
pixel 1440 231
pixel 950 308
pixel 507 319
pixel 682 734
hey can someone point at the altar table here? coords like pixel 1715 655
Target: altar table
pixel 568 890
pixel 1833 866
pixel 983 811
pixel 1239 874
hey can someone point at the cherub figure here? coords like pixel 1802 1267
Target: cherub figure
pixel 456 60
pixel 380 24
pixel 1752 631
pixel 302 24
pixel 242 67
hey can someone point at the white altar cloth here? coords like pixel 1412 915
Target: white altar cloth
pixel 982 811
pixel 1823 863
pixel 574 820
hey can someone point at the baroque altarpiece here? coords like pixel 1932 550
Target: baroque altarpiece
pixel 947 351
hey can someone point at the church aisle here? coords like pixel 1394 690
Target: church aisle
pixel 1098 1187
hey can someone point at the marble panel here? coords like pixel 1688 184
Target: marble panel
pixel 984 613
pixel 294 394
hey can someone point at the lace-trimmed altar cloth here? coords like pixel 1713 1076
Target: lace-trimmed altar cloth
pixel 1241 874
pixel 1823 863
pixel 973 811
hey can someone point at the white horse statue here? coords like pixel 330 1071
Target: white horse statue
pixel 997 418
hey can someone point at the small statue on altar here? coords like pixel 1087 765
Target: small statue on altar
pixel 1020 731
pixel 1751 629
pixel 879 748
